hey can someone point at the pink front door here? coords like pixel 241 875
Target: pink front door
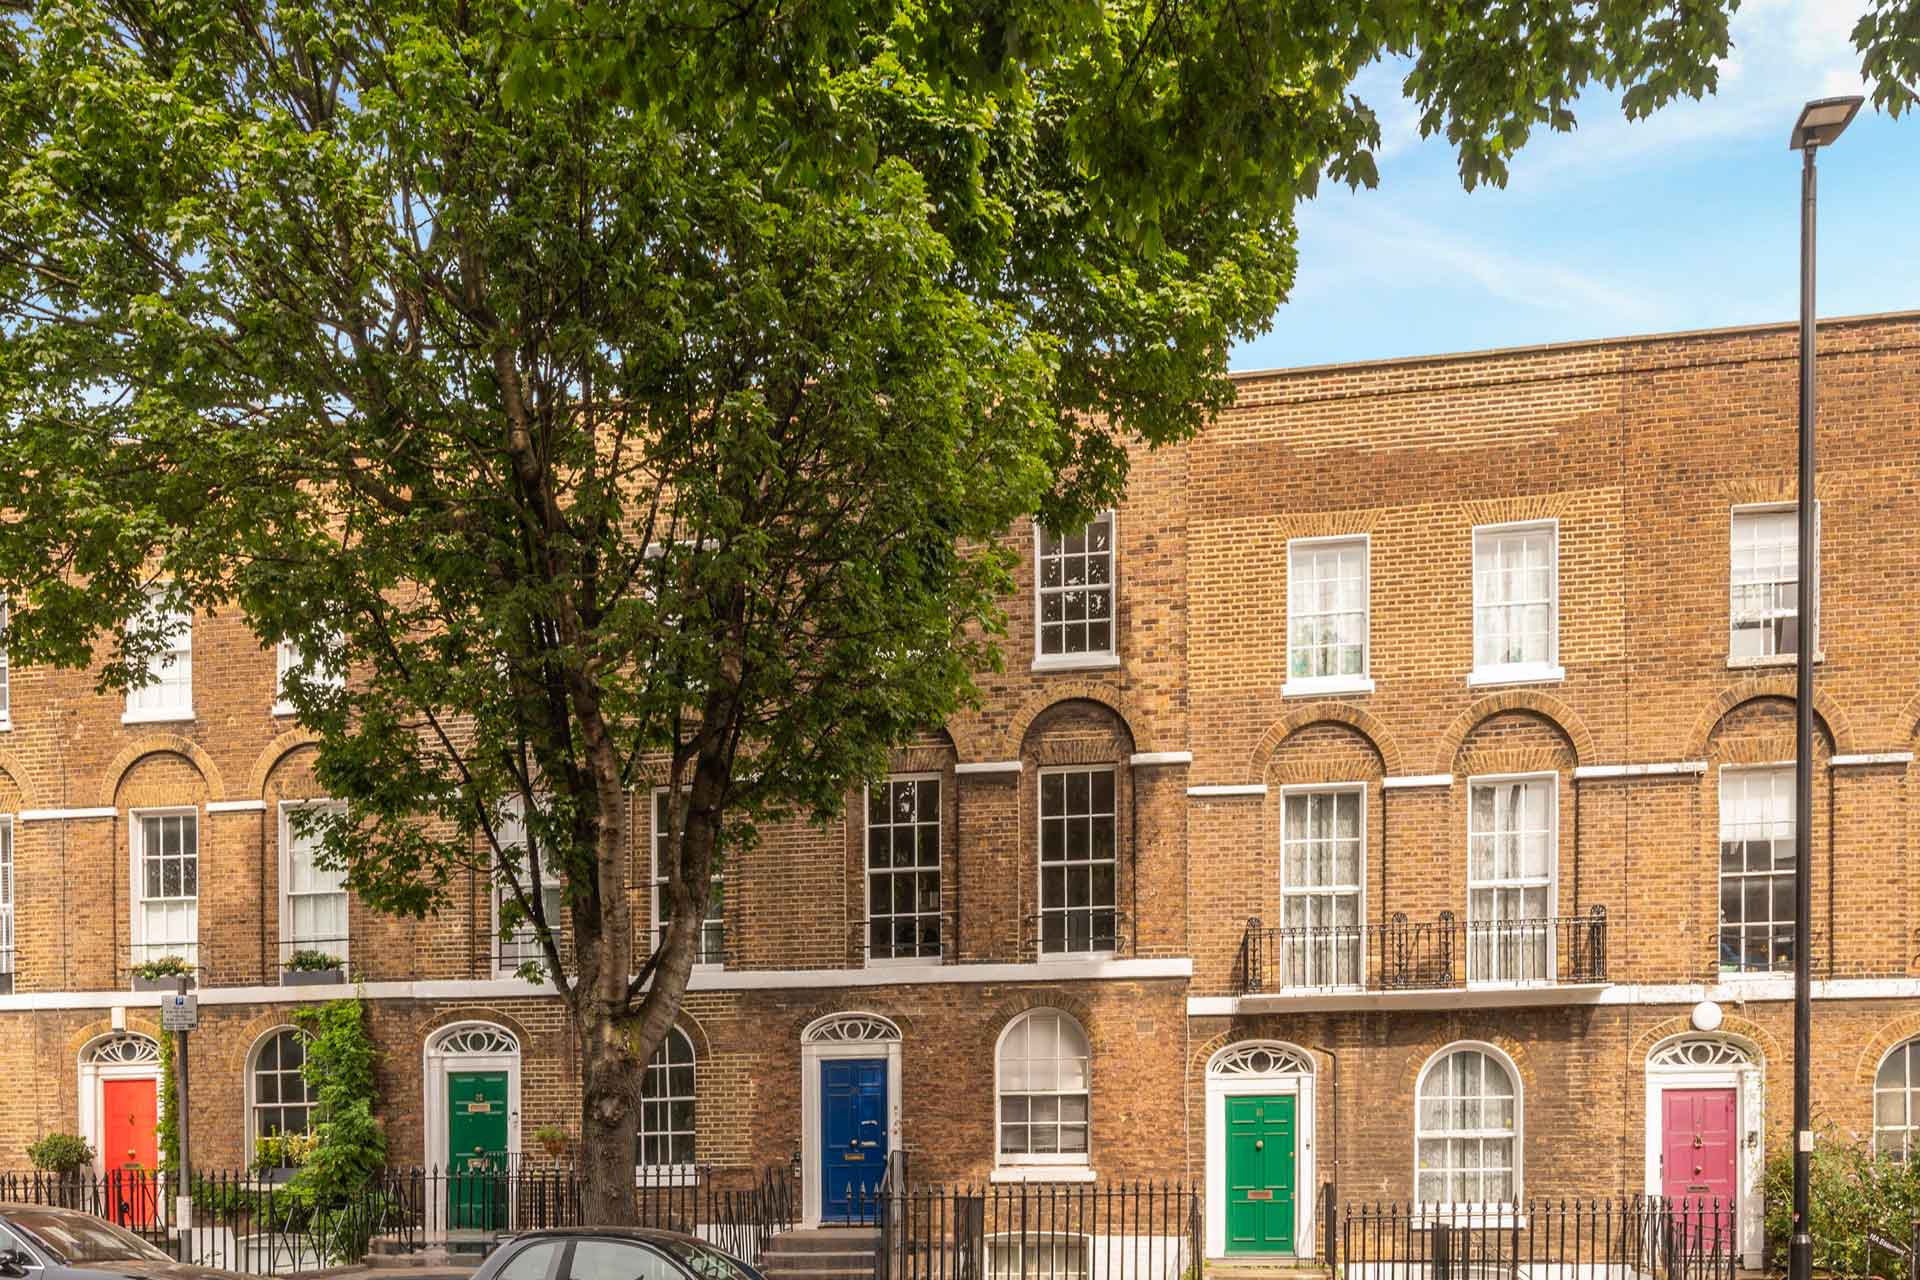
pixel 1699 1139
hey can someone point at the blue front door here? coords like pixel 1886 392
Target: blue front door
pixel 853 1136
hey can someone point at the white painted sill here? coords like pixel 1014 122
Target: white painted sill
pixel 679 1175
pixel 166 715
pixel 284 709
pixel 1310 686
pixel 1519 673
pixel 6 725
pixel 1043 1173
pixel 1770 660
pixel 1067 957
pixel 1077 662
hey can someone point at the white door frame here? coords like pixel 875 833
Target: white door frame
pixel 1731 1063
pixel 94 1073
pixel 1261 1068
pixel 440 1061
pixel 840 1036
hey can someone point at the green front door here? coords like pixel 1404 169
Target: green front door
pixel 477 1149
pixel 1260 1175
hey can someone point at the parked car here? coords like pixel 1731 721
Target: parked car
pixel 50 1243
pixel 611 1253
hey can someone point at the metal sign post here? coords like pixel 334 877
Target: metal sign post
pixel 180 1013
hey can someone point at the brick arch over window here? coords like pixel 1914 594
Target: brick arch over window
pixel 13 771
pixel 162 744
pixel 1359 719
pixel 1732 1027
pixel 1892 1034
pixel 246 1041
pixel 1549 708
pixel 1828 714
pixel 1013 1006
pixel 270 759
pixel 1419 1055
pixel 690 1027
pixel 1014 741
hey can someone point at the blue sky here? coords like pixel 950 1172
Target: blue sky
pixel 1688 220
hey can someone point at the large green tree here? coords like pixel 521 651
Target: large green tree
pixel 628 391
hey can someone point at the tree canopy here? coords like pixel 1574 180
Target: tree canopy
pixel 628 393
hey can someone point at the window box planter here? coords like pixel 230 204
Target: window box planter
pixel 312 977
pixel 165 982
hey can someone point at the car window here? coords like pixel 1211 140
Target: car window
pixel 10 1243
pixel 75 1237
pixel 530 1262
pixel 618 1260
pixel 707 1263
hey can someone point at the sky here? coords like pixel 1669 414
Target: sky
pixel 1687 220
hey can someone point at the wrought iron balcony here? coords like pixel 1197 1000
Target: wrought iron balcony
pixel 1430 955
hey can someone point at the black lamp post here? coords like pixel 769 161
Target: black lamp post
pixel 1819 124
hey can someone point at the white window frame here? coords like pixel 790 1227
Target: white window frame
pixel 7 959
pixel 253 1102
pixel 6 669
pixel 1358 890
pixel 1516 672
pixel 179 654
pixel 287 657
pixel 1733 520
pixel 658 881
pixel 1092 659
pixel 549 883
pixel 1051 1244
pixel 1551 885
pixel 1719 875
pixel 939 871
pixel 1052 1161
pixel 288 943
pixel 1040 865
pixel 140 945
pixel 681 1173
pixel 1489 1213
pixel 1302 686
pixel 1909 1095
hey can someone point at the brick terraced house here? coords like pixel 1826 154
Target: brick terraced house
pixel 1396 790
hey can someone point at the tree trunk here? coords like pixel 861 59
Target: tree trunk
pixel 610 1114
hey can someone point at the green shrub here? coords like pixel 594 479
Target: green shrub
pixel 337 1180
pixel 163 967
pixel 305 961
pixel 60 1153
pixel 1853 1192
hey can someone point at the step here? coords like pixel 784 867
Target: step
pixel 811 1261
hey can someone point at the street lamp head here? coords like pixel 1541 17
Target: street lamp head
pixel 1823 120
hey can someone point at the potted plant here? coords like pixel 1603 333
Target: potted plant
pixel 552 1139
pixel 276 1156
pixel 67 1157
pixel 307 968
pixel 162 973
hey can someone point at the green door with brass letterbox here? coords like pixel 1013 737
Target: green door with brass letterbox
pixel 1260 1175
pixel 477 1150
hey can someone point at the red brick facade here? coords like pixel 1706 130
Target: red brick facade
pixel 1633 453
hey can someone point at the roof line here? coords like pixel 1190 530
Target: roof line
pixel 1582 344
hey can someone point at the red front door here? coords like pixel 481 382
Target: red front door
pixel 1701 1137
pixel 129 1149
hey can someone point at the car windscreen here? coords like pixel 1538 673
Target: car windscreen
pixel 707 1263
pixel 74 1237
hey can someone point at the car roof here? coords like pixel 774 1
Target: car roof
pixel 28 1206
pixel 651 1235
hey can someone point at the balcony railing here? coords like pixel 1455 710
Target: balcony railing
pixel 1429 955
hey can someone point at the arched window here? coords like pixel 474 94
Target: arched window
pixel 282 1100
pixel 1896 1102
pixel 1466 1146
pixel 1045 1086
pixel 666 1105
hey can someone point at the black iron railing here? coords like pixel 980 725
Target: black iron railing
pixel 1041 1231
pixel 1646 1237
pixel 1427 955
pixel 255 1222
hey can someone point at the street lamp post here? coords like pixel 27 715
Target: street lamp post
pixel 1819 124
